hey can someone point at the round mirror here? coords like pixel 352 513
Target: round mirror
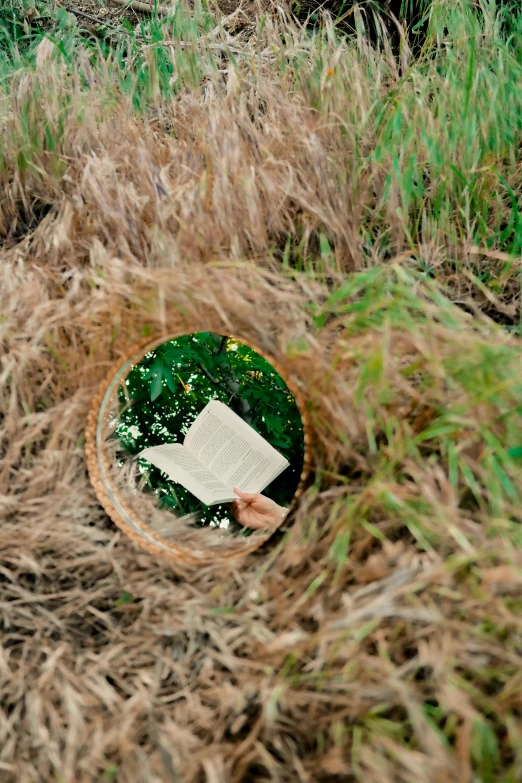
pixel 197 446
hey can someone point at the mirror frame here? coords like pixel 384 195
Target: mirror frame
pixel 99 469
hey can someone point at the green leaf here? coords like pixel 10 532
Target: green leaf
pixel 65 18
pixel 485 751
pixel 156 386
pixel 167 372
pixel 324 245
pixel 277 443
pixel 126 598
pixel 515 453
pixel 315 584
pixel 367 629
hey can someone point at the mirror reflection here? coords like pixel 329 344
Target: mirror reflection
pixel 203 428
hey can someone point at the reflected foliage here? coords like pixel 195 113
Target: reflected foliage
pixel 167 390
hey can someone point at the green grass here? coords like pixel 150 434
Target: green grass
pixel 433 149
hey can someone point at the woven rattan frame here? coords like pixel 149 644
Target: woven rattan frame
pixel 99 468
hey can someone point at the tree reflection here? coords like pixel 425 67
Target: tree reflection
pixel 167 390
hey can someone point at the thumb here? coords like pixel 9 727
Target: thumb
pixel 246 497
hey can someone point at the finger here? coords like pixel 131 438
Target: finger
pixel 246 497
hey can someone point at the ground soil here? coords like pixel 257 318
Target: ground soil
pixel 95 13
pixel 98 12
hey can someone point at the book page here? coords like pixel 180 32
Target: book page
pixel 181 466
pixel 232 450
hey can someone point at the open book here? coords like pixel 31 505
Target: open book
pixel 220 451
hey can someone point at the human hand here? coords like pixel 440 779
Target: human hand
pixel 257 511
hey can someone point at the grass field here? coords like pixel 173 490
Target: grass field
pixel 356 212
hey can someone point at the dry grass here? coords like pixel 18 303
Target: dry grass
pixel 377 638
